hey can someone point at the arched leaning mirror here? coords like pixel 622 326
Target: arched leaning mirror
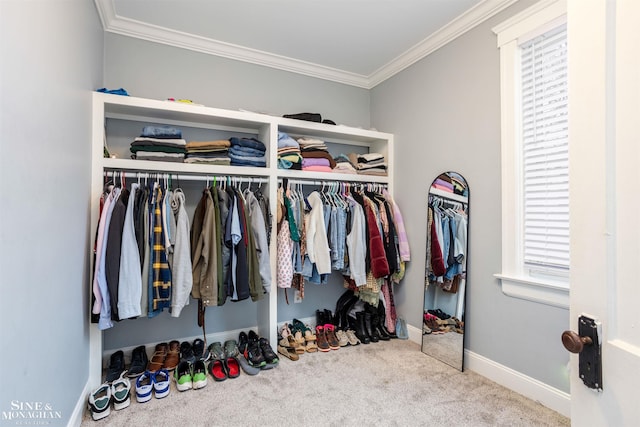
pixel 446 269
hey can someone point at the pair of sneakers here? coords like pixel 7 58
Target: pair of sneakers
pixel 257 351
pixel 118 392
pixel 189 375
pixel 152 383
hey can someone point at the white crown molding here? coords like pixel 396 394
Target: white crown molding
pixel 460 25
pixel 116 24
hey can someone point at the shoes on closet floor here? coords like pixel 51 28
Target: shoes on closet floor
pixel 182 376
pixel 323 344
pixel 330 334
pixel 116 366
pixel 288 352
pixel 216 351
pixel 173 356
pixel 341 335
pixel 199 374
pixel 253 352
pixel 200 351
pixel 121 392
pixel 144 387
pixel 352 337
pixel 186 353
pixel 218 369
pixel 270 357
pixel 159 355
pixel 139 362
pixel 161 383
pixel 99 401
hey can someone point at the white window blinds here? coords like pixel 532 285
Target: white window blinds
pixel 545 151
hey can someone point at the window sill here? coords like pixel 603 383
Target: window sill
pixel 541 291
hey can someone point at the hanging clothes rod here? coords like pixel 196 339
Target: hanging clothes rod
pixel 210 178
pixel 325 182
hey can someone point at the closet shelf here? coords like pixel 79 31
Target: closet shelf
pixel 151 110
pixel 451 196
pixel 174 167
pixel 330 176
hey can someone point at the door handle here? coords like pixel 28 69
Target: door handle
pixel 587 345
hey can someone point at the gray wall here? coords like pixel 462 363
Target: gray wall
pixel 445 114
pixel 157 71
pixel 51 59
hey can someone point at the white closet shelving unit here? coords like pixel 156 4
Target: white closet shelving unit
pixel 220 124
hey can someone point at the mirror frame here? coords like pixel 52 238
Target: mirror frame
pixel 452 350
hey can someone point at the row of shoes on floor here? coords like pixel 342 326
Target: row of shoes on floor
pixel 187 361
pixel 437 322
pixel 332 332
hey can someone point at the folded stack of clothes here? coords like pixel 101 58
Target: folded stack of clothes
pixel 208 152
pixel 315 155
pixel 247 152
pixel 162 143
pixel 344 165
pixel 451 182
pixel 288 152
pixel 370 164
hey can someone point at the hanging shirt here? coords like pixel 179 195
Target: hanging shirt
pixel 160 297
pixel 130 283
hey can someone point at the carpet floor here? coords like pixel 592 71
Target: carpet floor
pixel 387 383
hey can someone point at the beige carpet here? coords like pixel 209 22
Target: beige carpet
pixel 387 383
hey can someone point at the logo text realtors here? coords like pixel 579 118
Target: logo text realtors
pixel 31 411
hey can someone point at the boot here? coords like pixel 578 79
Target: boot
pixel 383 317
pixel 378 328
pixel 342 316
pixel 360 329
pixel 328 317
pixel 373 336
pixel 320 320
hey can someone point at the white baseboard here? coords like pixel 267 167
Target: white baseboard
pixel 415 334
pixel 538 391
pixel 81 405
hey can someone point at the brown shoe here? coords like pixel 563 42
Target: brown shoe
pixel 173 356
pixel 158 358
pixel 321 339
pixel 330 333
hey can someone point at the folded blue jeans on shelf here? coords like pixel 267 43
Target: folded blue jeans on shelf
pixel 161 132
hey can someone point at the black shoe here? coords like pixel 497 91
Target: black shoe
pixel 267 352
pixel 360 329
pixel 139 361
pixel 243 341
pixel 253 352
pixel 200 351
pixel 382 316
pixel 320 318
pixel 378 328
pixel 328 316
pixel 186 353
pixel 116 366
pixel 368 325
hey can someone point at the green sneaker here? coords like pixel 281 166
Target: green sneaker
pixel 199 374
pixel 182 375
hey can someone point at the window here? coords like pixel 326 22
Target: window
pixel 535 154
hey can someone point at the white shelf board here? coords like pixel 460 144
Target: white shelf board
pixel 151 166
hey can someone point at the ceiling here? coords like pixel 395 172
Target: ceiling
pixel 356 42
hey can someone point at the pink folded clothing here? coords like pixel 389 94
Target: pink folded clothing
pixel 443 184
pixel 315 162
pixel 442 187
pixel 317 169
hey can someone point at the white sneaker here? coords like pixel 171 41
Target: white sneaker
pixel 99 401
pixel 161 383
pixel 144 387
pixel 121 392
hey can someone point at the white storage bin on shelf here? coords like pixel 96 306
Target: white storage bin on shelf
pixel 117 120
